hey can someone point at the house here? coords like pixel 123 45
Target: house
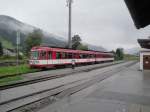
pixel 9 52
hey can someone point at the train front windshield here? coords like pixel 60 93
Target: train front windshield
pixel 34 55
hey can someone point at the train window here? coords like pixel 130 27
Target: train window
pixel 58 55
pixel 63 55
pixel 43 54
pixel 85 55
pixel 99 56
pixel 66 55
pixel 34 55
pixel 49 55
pixel 93 56
pixel 75 55
pixel 81 56
pixel 89 56
pixel 70 55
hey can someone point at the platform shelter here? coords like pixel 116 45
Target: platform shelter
pixel 144 54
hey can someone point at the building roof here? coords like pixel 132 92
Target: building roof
pixel 139 10
pixel 144 43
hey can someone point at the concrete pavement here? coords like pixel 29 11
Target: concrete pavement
pixel 126 91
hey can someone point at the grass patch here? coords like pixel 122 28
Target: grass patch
pixel 13 70
pixel 130 57
pixel 9 80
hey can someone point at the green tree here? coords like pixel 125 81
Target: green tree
pixel 76 41
pixel 119 54
pixel 33 39
pixel 82 47
pixel 1 49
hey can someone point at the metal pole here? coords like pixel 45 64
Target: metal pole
pixel 69 24
pixel 18 42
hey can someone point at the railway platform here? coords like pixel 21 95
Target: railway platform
pixel 126 91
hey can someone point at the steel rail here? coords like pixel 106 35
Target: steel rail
pixel 46 78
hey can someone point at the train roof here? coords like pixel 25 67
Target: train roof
pixel 66 50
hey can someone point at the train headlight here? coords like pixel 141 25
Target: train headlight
pixel 31 62
pixel 34 62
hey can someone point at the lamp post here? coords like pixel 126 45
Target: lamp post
pixel 69 5
pixel 18 43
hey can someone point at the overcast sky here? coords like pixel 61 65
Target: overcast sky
pixel 100 22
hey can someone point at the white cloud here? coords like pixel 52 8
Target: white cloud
pixel 99 22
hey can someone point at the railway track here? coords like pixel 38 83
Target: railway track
pixel 45 78
pixel 48 96
pixel 11 63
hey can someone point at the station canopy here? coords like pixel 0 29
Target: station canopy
pixel 139 10
pixel 144 43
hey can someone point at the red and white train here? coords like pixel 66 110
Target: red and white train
pixel 47 57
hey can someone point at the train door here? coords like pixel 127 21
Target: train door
pixel 49 58
pixel 58 58
pixel 146 62
pixel 63 57
pixel 43 57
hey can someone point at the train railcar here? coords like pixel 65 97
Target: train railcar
pixel 47 57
